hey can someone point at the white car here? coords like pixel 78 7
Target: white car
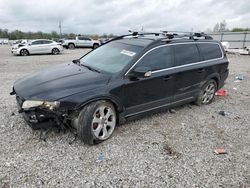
pixel 41 46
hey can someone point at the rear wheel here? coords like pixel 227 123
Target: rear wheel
pixel 95 46
pixel 24 52
pixel 71 46
pixel 55 51
pixel 207 93
pixel 97 122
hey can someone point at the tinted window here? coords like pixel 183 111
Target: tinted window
pixel 47 42
pixel 37 42
pixel 210 51
pixel 83 38
pixel 186 53
pixel 158 58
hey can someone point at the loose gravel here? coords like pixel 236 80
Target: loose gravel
pixel 161 150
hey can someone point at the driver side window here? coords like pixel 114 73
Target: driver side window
pixel 159 58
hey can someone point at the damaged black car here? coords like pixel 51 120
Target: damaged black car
pixel 128 76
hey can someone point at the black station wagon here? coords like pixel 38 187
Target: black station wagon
pixel 126 77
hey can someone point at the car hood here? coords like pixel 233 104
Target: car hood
pixel 58 82
pixel 15 46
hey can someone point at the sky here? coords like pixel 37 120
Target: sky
pixel 117 16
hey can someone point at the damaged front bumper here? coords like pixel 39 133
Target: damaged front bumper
pixel 43 118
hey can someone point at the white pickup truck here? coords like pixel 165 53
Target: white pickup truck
pixel 80 41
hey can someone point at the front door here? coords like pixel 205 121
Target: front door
pixel 144 94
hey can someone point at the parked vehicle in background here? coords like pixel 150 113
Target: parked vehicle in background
pixel 40 46
pixel 225 45
pixel 4 41
pixel 80 41
pixel 128 76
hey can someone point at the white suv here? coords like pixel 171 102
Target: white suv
pixel 41 46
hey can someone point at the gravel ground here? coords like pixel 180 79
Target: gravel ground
pixel 163 150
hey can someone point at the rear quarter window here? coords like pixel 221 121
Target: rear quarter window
pixel 186 54
pixel 210 51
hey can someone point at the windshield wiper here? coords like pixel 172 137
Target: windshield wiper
pixel 90 68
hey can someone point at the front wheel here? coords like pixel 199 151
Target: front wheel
pixel 207 93
pixel 24 52
pixel 96 122
pixel 71 46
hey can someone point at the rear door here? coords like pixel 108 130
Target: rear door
pixel 84 42
pixel 47 46
pixel 189 71
pixel 212 53
pixel 143 94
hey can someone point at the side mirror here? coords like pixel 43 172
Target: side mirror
pixel 76 61
pixel 141 72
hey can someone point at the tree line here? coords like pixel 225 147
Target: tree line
pixel 222 27
pixel 17 35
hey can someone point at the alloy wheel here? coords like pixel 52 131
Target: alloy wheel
pixel 103 123
pixel 208 93
pixel 24 52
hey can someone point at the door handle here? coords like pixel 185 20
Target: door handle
pixel 166 78
pixel 201 70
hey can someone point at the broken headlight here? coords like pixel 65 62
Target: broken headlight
pixel 46 104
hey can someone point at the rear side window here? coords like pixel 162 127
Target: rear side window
pixel 157 59
pixel 210 51
pixel 186 54
pixel 47 42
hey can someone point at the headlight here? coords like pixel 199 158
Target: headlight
pixel 50 105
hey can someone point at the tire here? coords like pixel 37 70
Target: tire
pixel 96 122
pixel 207 93
pixel 95 46
pixel 71 46
pixel 24 52
pixel 55 51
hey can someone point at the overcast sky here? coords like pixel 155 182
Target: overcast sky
pixel 114 16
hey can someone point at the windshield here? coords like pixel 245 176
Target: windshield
pixel 110 58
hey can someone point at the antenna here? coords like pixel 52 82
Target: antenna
pixel 60 28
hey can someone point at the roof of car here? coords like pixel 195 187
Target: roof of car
pixel 144 41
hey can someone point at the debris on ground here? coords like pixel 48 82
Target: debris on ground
pixel 224 113
pixel 170 151
pixel 239 77
pixel 12 114
pixel 172 111
pixel 235 88
pixel 100 157
pixel 221 92
pixel 220 151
